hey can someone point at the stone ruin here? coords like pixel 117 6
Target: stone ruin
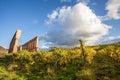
pixel 31 45
pixel 14 45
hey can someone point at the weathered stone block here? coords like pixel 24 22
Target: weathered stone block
pixel 31 45
pixel 13 48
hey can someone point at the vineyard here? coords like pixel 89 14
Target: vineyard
pixel 101 62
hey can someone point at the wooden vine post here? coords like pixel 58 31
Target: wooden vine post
pixel 82 45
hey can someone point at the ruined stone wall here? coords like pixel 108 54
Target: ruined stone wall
pixel 13 48
pixel 31 45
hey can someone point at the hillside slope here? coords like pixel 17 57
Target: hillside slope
pixel 102 63
pixel 2 51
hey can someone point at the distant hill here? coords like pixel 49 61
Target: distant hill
pixel 2 51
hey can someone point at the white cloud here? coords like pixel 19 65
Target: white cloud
pixel 118 36
pixel 113 7
pixel 113 10
pixel 111 39
pixel 94 4
pixel 65 0
pixel 78 22
pixel 44 47
pixel 52 17
pixel 83 1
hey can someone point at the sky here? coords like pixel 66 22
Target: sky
pixel 60 22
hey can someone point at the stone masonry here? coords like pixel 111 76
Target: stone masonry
pixel 31 45
pixel 13 48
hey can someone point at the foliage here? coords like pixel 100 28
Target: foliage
pixel 102 62
pixel 2 51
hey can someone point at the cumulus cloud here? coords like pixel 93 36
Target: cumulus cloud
pixel 77 22
pixel 113 8
pixel 52 17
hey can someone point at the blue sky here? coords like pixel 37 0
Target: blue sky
pixel 53 21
